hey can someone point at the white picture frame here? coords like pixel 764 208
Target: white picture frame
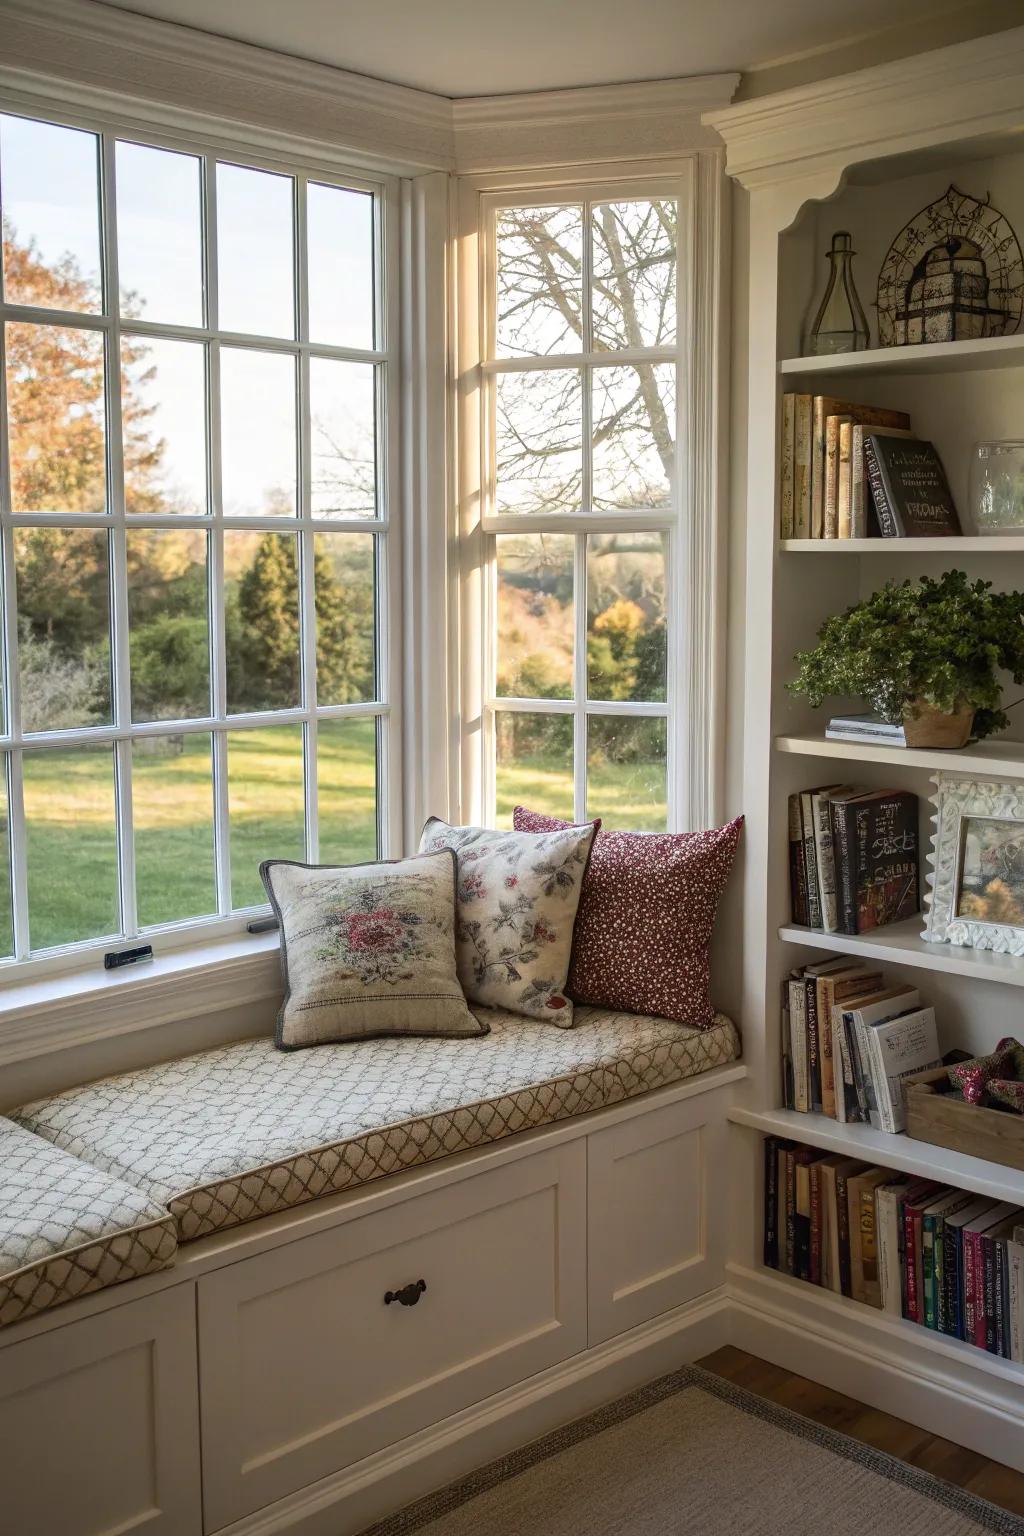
pixel 977 865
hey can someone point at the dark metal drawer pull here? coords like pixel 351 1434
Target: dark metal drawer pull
pixel 408 1296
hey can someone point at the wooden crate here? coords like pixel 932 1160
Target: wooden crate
pixel 946 1120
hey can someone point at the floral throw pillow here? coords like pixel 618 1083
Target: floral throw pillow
pixel 367 949
pixel 516 907
pixel 646 917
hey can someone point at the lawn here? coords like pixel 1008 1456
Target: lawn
pixel 69 805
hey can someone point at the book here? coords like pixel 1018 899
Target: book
pixel 843 498
pixel 860 1193
pixel 814 898
pixel 797 865
pixel 932 1218
pixel 821 813
pixel 830 515
pixel 829 1170
pixel 913 1219
pixel 798 1043
pixel 844 1174
pixel 973 1271
pixel 824 406
pixel 772 1145
pixel 919 1192
pixel 875 838
pixel 951 1312
pixel 817 1034
pixel 1015 1301
pixel 909 488
pixel 802 434
pixel 803 1157
pixel 887 1228
pixel 836 986
pixel 863 521
pixel 866 728
pixel 899 1047
pixel 787 520
pixel 993 1254
pixel 856 1016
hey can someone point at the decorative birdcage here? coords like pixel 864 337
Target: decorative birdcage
pixel 953 273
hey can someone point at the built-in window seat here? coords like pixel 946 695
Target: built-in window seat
pixel 245 1130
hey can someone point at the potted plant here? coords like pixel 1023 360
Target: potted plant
pixel 925 653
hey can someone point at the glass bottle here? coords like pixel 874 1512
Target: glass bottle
pixel 840 324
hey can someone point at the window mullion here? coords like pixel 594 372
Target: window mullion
pixel 118 545
pixel 307 546
pixel 579 756
pixel 219 744
pixel 13 776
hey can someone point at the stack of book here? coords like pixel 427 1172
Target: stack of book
pixel 869 730
pixel 853 857
pixel 849 471
pixel 849 1041
pixel 940 1257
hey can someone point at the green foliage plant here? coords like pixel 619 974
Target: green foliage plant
pixel 937 642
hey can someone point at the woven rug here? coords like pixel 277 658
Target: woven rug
pixel 694 1454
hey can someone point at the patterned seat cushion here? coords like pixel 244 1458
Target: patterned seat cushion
pixel 66 1228
pixel 243 1131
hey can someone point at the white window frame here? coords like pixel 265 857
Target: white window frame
pixel 694 610
pixel 302 166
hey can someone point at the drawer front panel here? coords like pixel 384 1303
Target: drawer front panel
pixel 305 1368
pixel 99 1424
pixel 656 1236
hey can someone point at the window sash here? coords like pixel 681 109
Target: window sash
pixel 666 520
pixel 121 734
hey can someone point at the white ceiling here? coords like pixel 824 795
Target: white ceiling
pixel 490 47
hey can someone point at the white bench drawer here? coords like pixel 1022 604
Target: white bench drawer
pixel 304 1369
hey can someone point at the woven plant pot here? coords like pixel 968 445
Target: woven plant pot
pixel 924 726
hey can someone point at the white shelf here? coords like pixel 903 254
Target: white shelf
pixel 969 544
pixel 906 1155
pixel 902 944
pixel 934 357
pixel 1000 756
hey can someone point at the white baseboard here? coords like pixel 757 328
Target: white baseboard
pixel 351 1500
pixel 940 1384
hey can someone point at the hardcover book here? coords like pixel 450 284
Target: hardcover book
pixel 787 520
pixel 863 522
pixel 909 488
pixel 860 1192
pixel 823 407
pixel 877 859
pixel 900 1047
pixel 802 434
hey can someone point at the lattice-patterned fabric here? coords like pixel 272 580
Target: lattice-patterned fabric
pixel 67 1228
pixel 244 1130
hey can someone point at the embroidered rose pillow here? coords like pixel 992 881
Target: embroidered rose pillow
pixel 516 907
pixel 646 917
pixel 367 949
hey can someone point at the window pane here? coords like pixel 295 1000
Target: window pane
pixel 255 278
pixel 626 616
pixel 6 905
pixel 634 282
pixel 346 777
pixel 339 227
pixel 168 624
pixel 258 440
pixel 533 764
pixel 634 435
pixel 72 845
pixel 626 769
pixel 535 616
pixel 159 235
pixel 56 419
pixel 163 412
pixel 266 806
pixel 172 808
pixel 261 578
pixel 63 589
pixel 540 281
pixel 51 219
pixel 344 466
pixel 539 442
pixel 344 584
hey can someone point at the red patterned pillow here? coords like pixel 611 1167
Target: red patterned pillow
pixel 645 918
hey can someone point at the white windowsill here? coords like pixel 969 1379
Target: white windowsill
pixel 75 1007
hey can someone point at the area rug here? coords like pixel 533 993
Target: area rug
pixel 693 1455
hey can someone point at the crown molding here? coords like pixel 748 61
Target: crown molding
pixel 152 65
pixel 161 72
pixel 652 118
pixel 975 88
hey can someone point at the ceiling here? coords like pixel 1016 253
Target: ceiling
pixel 491 47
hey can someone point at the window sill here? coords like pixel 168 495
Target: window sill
pixel 79 1007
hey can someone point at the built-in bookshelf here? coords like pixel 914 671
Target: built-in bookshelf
pixel 957 394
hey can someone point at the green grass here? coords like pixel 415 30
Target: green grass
pixel 69 804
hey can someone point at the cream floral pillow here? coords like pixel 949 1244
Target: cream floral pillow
pixel 517 896
pixel 368 949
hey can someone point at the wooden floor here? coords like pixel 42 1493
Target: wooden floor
pixel 988 1479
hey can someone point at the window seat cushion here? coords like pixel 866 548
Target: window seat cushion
pixel 67 1228
pixel 244 1130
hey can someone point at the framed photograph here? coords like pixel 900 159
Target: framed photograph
pixel 977 879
